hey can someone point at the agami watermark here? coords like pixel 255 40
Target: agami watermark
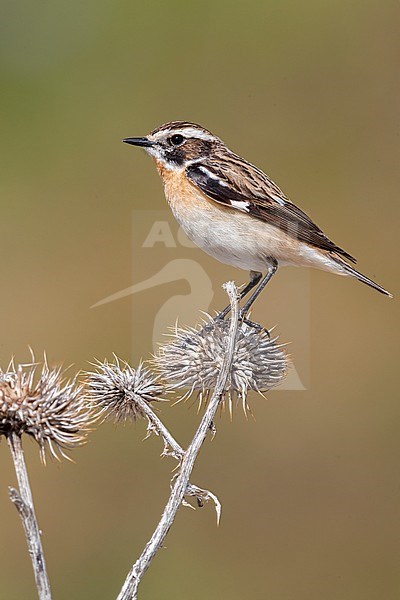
pixel 157 240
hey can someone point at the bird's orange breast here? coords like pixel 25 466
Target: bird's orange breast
pixel 178 189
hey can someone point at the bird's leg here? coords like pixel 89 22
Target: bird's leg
pixel 255 277
pixel 271 271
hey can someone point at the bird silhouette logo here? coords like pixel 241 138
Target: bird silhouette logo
pixel 180 307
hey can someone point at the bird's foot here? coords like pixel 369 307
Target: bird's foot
pixel 257 326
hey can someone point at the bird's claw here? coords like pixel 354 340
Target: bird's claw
pixel 252 324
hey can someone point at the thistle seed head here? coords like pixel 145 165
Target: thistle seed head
pixel 40 402
pixel 194 357
pixel 118 390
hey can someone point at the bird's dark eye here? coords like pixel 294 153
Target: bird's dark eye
pixel 177 139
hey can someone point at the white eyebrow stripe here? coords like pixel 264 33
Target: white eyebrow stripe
pixel 186 132
pixel 241 205
pixel 212 175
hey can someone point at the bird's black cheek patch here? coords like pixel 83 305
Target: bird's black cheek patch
pixel 177 156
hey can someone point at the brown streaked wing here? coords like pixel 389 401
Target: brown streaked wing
pixel 234 180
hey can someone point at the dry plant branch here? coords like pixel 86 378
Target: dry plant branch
pixel 171 446
pixel 36 400
pixel 181 485
pixel 219 361
pixel 23 502
pixel 124 393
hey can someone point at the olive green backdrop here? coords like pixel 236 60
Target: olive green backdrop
pixel 309 91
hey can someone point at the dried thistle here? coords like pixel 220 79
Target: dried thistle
pixel 40 402
pixel 119 390
pixel 194 357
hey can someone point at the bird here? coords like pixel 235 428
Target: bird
pixel 233 211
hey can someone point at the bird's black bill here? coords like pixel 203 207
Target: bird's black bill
pixel 138 141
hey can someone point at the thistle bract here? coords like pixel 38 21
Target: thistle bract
pixel 193 358
pixel 117 388
pixel 37 400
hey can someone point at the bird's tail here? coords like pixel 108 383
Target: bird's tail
pixel 348 270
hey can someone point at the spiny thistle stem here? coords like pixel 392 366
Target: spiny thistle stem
pixel 23 502
pixel 117 390
pixel 181 483
pixel 155 424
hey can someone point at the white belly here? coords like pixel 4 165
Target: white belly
pixel 227 238
pixel 235 238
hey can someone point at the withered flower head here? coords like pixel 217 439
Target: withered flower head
pixel 38 401
pixel 118 390
pixel 194 357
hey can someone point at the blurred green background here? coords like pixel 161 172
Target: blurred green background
pixel 309 91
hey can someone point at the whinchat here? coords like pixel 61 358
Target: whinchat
pixel 233 211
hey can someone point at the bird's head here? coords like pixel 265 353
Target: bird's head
pixel 177 144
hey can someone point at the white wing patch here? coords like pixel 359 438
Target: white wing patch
pixel 194 161
pixel 212 175
pixel 241 205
